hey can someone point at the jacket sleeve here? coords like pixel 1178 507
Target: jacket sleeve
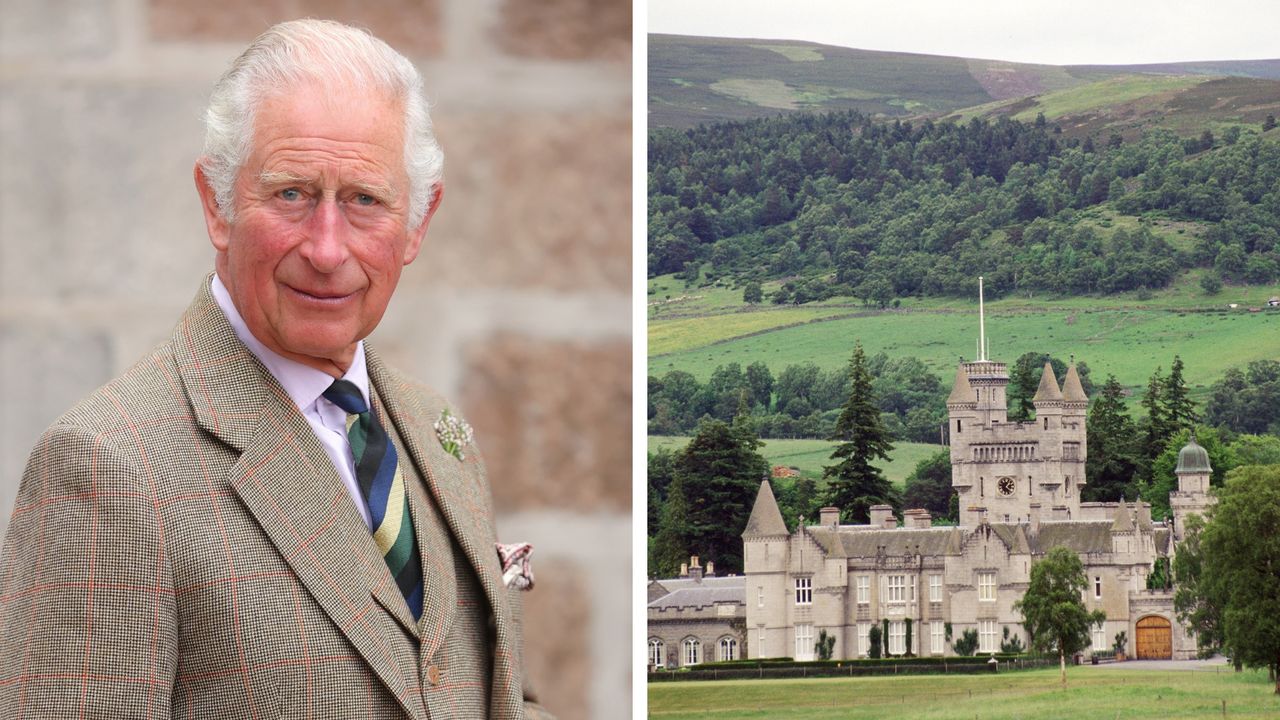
pixel 87 619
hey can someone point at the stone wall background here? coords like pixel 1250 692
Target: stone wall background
pixel 518 307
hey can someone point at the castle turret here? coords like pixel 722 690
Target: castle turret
pixel 764 559
pixel 1192 495
pixel 1048 400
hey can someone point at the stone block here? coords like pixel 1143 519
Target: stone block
pixel 64 29
pixel 557 618
pixel 410 26
pixel 553 419
pixel 96 192
pixel 49 370
pixel 543 198
pixel 566 29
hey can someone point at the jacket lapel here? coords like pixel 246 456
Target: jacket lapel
pixel 288 484
pixel 462 494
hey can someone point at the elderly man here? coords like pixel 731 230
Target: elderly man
pixel 261 519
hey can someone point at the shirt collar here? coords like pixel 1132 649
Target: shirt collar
pixel 304 384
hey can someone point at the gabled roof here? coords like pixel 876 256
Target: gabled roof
pixel 1072 390
pixel 705 595
pixel 860 541
pixel 766 518
pixel 1082 536
pixel 961 390
pixel 1048 389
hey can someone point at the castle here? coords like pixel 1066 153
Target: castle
pixel 1018 485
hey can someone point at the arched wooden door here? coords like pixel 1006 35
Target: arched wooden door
pixel 1155 639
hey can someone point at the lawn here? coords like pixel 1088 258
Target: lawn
pixel 810 455
pixel 1091 694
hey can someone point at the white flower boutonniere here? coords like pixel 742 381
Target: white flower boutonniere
pixel 454 433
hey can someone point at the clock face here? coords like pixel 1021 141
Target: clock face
pixel 1005 485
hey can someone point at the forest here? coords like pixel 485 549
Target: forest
pixel 843 205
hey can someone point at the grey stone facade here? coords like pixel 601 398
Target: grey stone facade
pixel 1019 488
pixel 695 618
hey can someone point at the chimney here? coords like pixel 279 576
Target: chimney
pixel 829 516
pixel 1059 512
pixel 695 570
pixel 711 569
pixel 917 518
pixel 1035 518
pixel 882 516
pixel 684 570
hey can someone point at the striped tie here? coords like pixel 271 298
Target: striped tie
pixel 382 485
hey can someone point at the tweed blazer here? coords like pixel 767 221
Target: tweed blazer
pixel 182 546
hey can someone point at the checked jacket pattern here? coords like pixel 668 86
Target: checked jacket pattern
pixel 181 546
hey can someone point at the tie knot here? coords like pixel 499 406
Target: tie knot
pixel 346 395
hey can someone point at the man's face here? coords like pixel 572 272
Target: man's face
pixel 320 231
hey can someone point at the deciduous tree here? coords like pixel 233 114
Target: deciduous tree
pixel 1241 554
pixel 1052 608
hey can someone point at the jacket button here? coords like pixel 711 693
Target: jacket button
pixel 433 674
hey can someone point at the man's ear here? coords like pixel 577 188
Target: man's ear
pixel 417 234
pixel 219 230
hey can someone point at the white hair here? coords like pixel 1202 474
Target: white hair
pixel 321 51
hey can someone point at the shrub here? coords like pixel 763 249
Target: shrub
pixel 1011 644
pixel 873 638
pixel 967 645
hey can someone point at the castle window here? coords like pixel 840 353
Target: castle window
pixel 728 649
pixel 657 657
pixel 1099 638
pixel 760 596
pixel 1097 588
pixel 1046 423
pixel 760 641
pixel 897 637
pixel 804 591
pixel 957 426
pixel 935 637
pixel 864 639
pixel 987 636
pixel 987 586
pixel 897 588
pixel 692 651
pixel 804 642
pixel 935 588
pixel 864 590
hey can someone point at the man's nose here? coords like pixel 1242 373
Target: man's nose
pixel 327 235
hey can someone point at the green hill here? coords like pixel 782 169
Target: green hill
pixel 696 80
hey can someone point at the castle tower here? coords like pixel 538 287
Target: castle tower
pixel 765 557
pixel 1192 495
pixel 1014 472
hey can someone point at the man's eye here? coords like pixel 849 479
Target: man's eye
pixel 291 194
pixel 364 199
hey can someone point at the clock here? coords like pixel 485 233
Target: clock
pixel 1005 485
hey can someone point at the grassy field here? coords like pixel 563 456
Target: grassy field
pixel 1118 334
pixel 810 455
pixel 1091 694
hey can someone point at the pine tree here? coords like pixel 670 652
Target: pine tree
pixel 721 471
pixel 854 484
pixel 1179 411
pixel 1111 465
pixel 670 545
pixel 1155 427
